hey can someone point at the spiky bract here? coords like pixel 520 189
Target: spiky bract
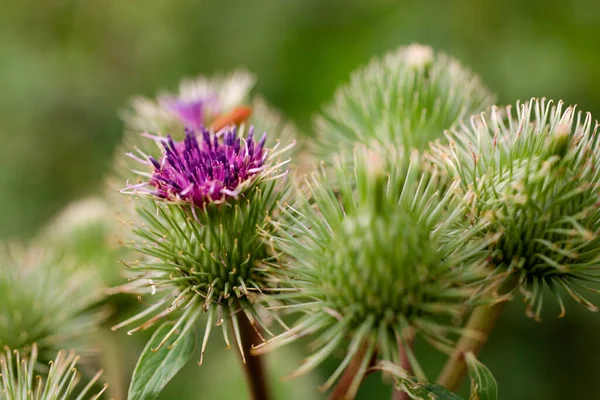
pixel 373 262
pixel 408 98
pixel 209 257
pixel 18 380
pixel 46 299
pixel 533 176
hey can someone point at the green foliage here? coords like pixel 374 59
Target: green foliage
pixel 155 368
pixel 47 299
pixel 425 390
pixel 19 382
pixel 483 383
pixel 532 178
pixel 374 262
pixel 407 98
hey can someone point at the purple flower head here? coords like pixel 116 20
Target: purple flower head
pixel 191 112
pixel 207 168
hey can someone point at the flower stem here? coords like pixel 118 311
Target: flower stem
pixel 482 320
pixel 340 392
pixel 254 367
pixel 405 364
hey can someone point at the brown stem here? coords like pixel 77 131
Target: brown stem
pixel 482 320
pixel 254 367
pixel 340 392
pixel 405 364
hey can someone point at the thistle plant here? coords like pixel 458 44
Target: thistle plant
pixel 17 380
pixel 47 299
pixel 407 98
pixel 531 177
pixel 207 199
pixel 402 233
pixel 374 263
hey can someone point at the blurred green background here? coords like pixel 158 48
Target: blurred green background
pixel 67 68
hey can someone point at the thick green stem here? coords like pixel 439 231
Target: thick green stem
pixel 482 320
pixel 111 361
pixel 254 367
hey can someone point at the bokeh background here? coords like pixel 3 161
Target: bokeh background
pixel 68 67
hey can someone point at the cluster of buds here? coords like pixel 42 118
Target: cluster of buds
pixel 202 203
pixel 382 245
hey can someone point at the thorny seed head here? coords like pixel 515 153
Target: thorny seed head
pixel 373 262
pixel 532 176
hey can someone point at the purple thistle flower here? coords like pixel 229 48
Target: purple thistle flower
pixel 207 169
pixel 191 112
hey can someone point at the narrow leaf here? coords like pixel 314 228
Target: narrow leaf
pixel 155 369
pixel 483 384
pixel 425 390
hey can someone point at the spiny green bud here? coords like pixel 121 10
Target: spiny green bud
pixel 407 98
pixel 47 299
pixel 374 260
pixel 19 382
pixel 533 177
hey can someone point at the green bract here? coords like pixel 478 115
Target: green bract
pixel 46 299
pixel 373 262
pixel 208 259
pixel 18 381
pixel 533 176
pixel 407 98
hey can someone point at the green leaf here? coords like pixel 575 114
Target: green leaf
pixel 483 384
pixel 425 390
pixel 155 369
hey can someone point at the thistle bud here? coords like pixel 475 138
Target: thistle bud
pixel 533 177
pixel 369 274
pixel 407 98
pixel 47 299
